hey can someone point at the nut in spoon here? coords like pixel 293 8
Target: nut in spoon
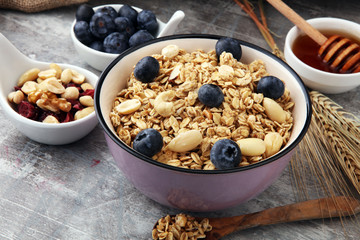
pixel 340 53
pixel 313 209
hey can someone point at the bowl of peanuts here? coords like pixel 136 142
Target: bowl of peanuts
pixel 49 103
pixel 201 122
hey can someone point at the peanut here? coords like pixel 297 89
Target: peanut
pixel 54 86
pixel 128 106
pixel 50 119
pixel 29 75
pixel 86 101
pixel 77 78
pixel 47 73
pixel 86 86
pixel 251 146
pixel 16 97
pixel 273 142
pixel 57 69
pixel 71 93
pixel 185 141
pixel 29 86
pixel 66 76
pixel 83 113
pixel 273 110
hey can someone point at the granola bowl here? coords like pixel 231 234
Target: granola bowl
pixel 197 189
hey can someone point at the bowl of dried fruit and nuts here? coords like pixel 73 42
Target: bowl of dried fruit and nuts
pixel 101 33
pixel 49 103
pixel 201 122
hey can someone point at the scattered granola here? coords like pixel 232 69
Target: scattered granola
pixel 170 105
pixel 180 227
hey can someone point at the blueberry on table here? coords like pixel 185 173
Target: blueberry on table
pixel 148 142
pixel 116 43
pixel 123 24
pixel 229 45
pixel 128 12
pixel 146 69
pixel 146 20
pixel 82 32
pixel 101 25
pixel 271 87
pixel 140 37
pixel 225 154
pixel 108 10
pixel 84 13
pixel 210 95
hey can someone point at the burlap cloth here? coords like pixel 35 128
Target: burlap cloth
pixel 36 5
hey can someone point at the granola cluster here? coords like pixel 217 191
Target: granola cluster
pixel 242 115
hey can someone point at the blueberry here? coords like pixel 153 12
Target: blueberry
pixel 148 142
pixel 140 37
pixel 101 25
pixel 128 12
pixel 225 154
pixel 210 95
pixel 116 42
pixel 82 32
pixel 108 10
pixel 84 13
pixel 271 87
pixel 146 20
pixel 229 45
pixel 146 69
pixel 123 24
pixel 97 45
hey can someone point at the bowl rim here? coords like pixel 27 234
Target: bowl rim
pixel 292 32
pixel 149 160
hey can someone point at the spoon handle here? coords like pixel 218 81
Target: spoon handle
pixel 313 209
pixel 290 14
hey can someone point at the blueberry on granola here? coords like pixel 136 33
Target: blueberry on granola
pixel 146 69
pixel 210 95
pixel 271 87
pixel 229 45
pixel 148 142
pixel 225 154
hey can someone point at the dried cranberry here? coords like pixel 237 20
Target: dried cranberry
pixel 88 92
pixel 27 110
pixel 17 88
pixel 44 114
pixel 76 105
pixel 73 85
pixel 69 117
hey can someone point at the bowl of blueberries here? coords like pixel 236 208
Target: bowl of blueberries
pixel 101 33
pixel 201 122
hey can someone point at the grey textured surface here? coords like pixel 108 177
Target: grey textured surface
pixel 76 192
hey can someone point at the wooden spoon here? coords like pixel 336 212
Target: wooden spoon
pixel 313 209
pixel 340 53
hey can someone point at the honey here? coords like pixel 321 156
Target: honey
pixel 307 49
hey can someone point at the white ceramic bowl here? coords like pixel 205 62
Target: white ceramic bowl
pixel 12 65
pixel 325 82
pixel 100 60
pixel 188 189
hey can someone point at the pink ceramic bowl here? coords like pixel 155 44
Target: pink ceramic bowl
pixel 197 190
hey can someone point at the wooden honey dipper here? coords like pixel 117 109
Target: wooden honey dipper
pixel 340 53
